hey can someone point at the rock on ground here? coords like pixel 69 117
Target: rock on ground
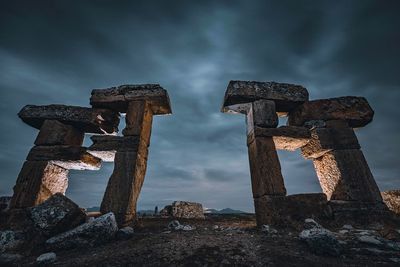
pixel 57 214
pixel 392 200
pixel 11 240
pixel 9 258
pixel 320 240
pixel 47 258
pixel 184 209
pixel 4 203
pixel 100 230
pixel 125 233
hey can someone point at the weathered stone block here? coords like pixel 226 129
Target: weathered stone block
pixel 345 175
pixel 124 186
pixel 67 157
pixel 57 214
pixel 54 132
pixel 118 98
pixel 87 120
pixel 326 139
pixel 285 137
pixel 286 96
pixel 265 169
pixel 184 209
pixel 105 146
pixel 139 118
pixel 285 210
pixel 392 200
pixel 262 113
pixel 355 110
pixel 36 182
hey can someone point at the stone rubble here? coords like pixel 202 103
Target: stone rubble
pixel 46 258
pixel 183 209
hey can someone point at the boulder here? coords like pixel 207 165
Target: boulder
pixel 117 98
pixel 88 120
pixel 46 258
pixel 355 110
pixel 392 200
pixel 286 96
pixel 321 241
pixel 7 259
pixel 11 240
pixel 184 209
pixel 98 231
pixel 57 214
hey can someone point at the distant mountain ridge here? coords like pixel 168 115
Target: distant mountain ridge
pixel 208 211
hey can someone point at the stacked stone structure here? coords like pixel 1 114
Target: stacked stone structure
pixel 322 129
pixel 58 146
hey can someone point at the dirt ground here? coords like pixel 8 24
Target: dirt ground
pixel 224 240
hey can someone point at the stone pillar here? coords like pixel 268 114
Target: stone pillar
pixel 58 149
pixel 340 165
pixel 260 102
pixel 140 103
pixel 126 181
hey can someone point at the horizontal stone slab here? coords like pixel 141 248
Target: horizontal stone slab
pixel 67 157
pixel 105 147
pixel 285 137
pixel 326 139
pixel 286 96
pixel 118 98
pixel 85 119
pixel 54 132
pixel 355 110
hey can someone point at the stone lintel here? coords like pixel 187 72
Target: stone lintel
pixel 285 210
pixel 285 137
pixel 265 168
pixel 36 182
pixel 355 110
pixel 345 175
pixel 327 139
pixel 118 98
pixel 88 120
pixel 54 132
pixel 105 146
pixel 67 157
pixel 286 96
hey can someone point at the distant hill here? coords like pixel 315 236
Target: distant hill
pixel 223 211
pixel 93 209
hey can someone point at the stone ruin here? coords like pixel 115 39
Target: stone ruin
pixel 322 129
pixel 58 146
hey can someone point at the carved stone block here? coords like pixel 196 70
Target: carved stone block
pixel 54 132
pixel 36 182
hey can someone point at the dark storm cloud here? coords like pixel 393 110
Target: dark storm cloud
pixel 57 51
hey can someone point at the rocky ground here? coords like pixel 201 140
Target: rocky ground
pixel 226 240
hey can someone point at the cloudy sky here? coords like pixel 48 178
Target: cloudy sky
pixel 58 51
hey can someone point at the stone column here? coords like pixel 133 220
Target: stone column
pixel 57 149
pixel 130 151
pixel 260 102
pixel 126 181
pixel 339 163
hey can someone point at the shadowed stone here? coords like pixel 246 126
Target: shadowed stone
pixel 87 120
pixel 105 146
pixel 130 165
pixel 286 96
pixel 118 98
pixel 345 175
pixel 67 157
pixel 355 110
pixel 265 169
pixel 283 210
pixel 285 137
pixel 54 132
pixel 327 139
pixel 36 182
